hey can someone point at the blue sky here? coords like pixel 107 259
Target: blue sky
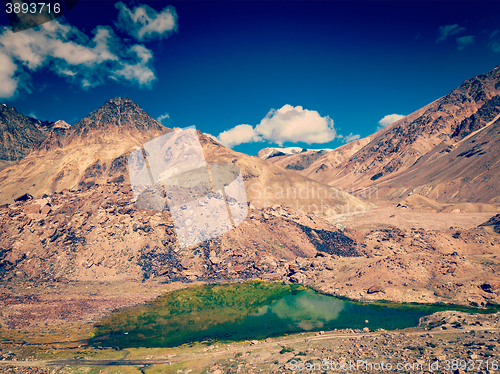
pixel 310 74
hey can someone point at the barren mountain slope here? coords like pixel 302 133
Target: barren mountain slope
pixel 394 150
pixel 298 161
pixel 18 133
pixel 324 167
pixel 468 170
pixel 100 235
pixel 95 151
pixel 268 184
pixel 493 223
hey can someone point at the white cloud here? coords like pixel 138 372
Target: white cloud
pixel 139 72
pixel 63 43
pixel 389 119
pixel 287 124
pixel 8 82
pixel 464 41
pixel 71 54
pixel 144 23
pixel 448 30
pixel 162 117
pixel 67 72
pixel 295 124
pixel 239 134
pixel 350 137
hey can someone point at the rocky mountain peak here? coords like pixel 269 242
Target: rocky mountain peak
pixel 4 107
pixel 92 151
pixel 118 100
pixel 18 133
pixel 61 124
pixel 119 114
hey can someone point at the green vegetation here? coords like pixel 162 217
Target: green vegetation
pixel 286 349
pixel 194 314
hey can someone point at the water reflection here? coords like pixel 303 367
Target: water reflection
pixel 307 310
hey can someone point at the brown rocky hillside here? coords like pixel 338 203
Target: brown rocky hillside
pixel 299 161
pixel 95 151
pixel 18 134
pixel 446 151
pixel 100 235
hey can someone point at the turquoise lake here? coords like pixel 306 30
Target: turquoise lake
pixel 244 311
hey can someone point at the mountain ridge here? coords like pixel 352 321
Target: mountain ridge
pixel 394 150
pixel 18 133
pixel 91 151
pixel 95 151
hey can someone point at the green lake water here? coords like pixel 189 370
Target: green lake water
pixel 243 311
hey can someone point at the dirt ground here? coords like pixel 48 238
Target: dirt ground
pixel 49 305
pixel 386 214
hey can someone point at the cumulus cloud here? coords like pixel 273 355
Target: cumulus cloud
pixel 8 81
pixel 350 137
pixel 295 124
pixel 82 60
pixel 464 41
pixel 144 23
pixel 140 72
pixel 238 135
pixel 64 44
pixel 287 124
pixel 389 119
pixel 448 30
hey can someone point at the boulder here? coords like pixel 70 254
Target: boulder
pixel 192 273
pixel 213 258
pixel 186 262
pixel 375 288
pixel 24 197
pixel 239 268
pixel 294 268
pixel 46 209
pixel 297 278
pixel 490 287
pixel 32 208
